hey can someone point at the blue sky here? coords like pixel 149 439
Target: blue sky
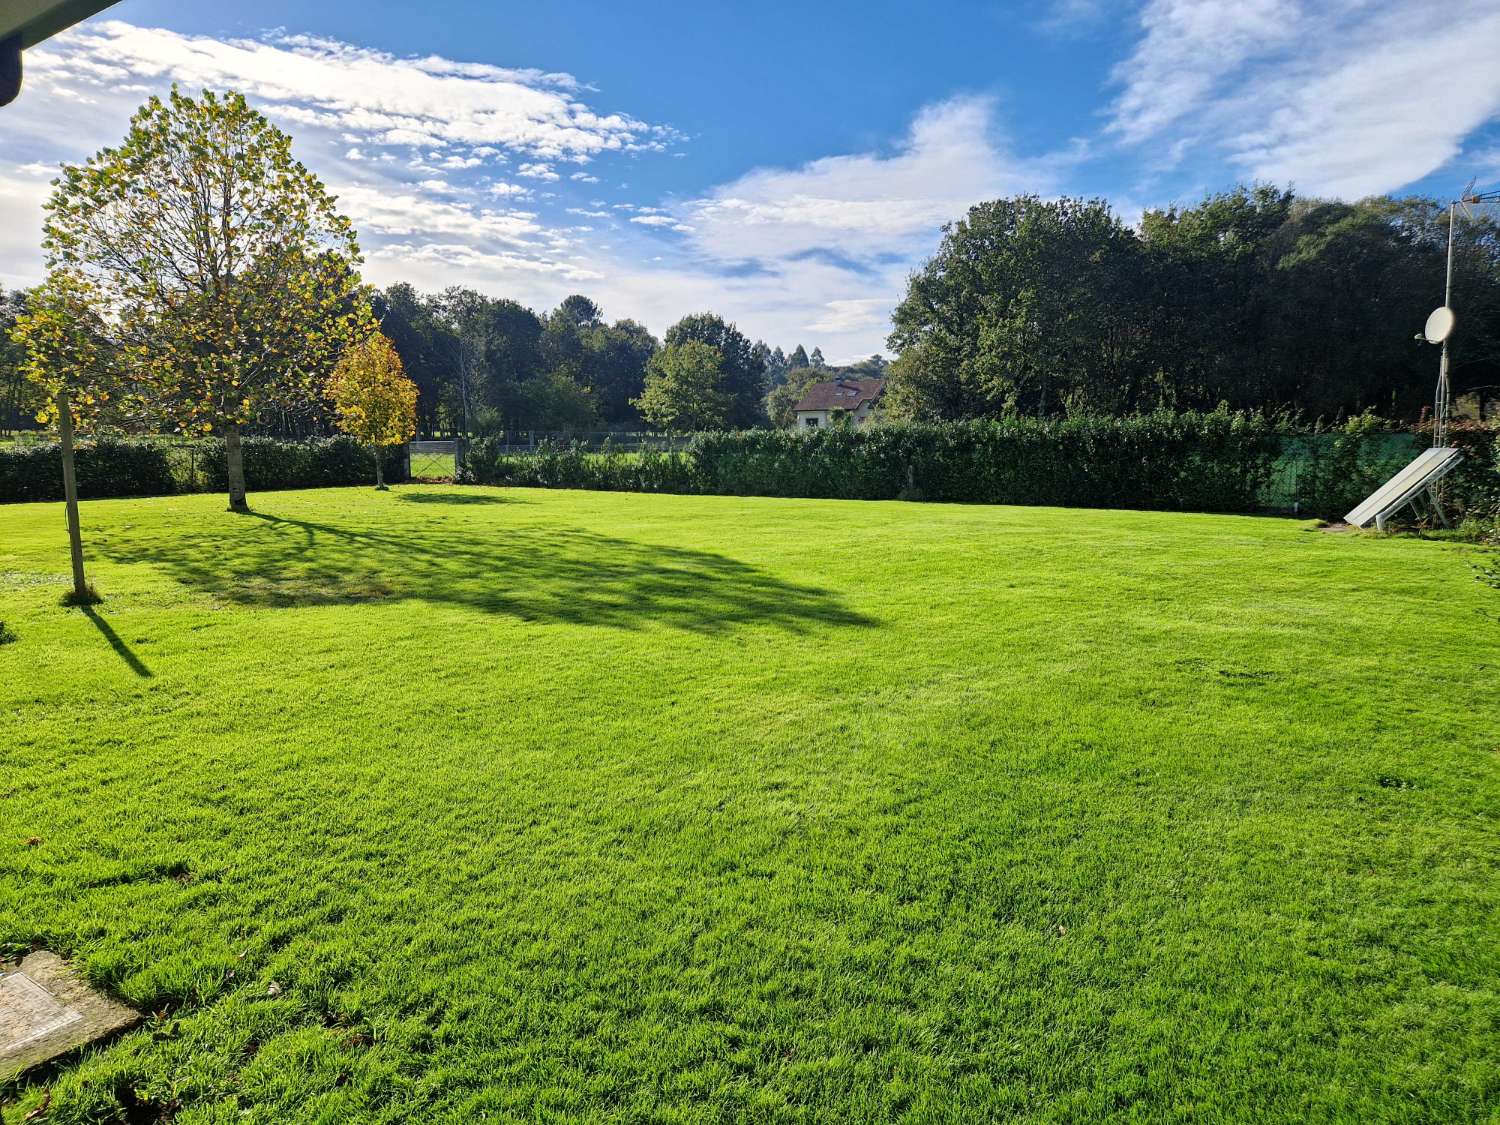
pixel 786 165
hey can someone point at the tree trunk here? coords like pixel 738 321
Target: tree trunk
pixel 81 592
pixel 235 456
pixel 379 471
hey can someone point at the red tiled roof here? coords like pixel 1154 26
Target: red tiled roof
pixel 841 394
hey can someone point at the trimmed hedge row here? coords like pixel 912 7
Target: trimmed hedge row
pixel 156 468
pixel 1207 462
pixel 271 463
pixel 105 468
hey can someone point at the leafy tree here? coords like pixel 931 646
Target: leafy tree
pixel 740 380
pixel 1253 297
pixel 581 311
pixel 19 398
pixel 70 360
pixel 1029 306
pixel 781 405
pixel 683 388
pixel 774 363
pixel 223 261
pixel 496 345
pixel 426 347
pixel 552 402
pixel 616 369
pixel 798 357
pixel 816 359
pixel 374 401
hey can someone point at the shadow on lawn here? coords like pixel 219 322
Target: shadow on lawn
pixel 450 498
pixel 122 649
pixel 535 574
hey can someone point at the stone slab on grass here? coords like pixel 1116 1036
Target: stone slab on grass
pixel 47 1010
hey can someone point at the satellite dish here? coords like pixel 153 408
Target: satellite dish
pixel 1439 325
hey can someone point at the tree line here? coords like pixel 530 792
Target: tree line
pixel 1255 297
pixel 483 364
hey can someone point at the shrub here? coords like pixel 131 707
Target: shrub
pixel 105 468
pixel 155 467
pixel 7 634
pixel 273 463
pixel 1213 462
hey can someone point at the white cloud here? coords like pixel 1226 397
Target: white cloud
pixel 870 204
pixel 21 196
pixel 818 252
pixel 665 222
pixel 386 211
pixel 1073 15
pixel 1341 97
pixel 508 190
pixel 381 98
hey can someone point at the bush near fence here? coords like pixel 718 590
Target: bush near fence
pixel 105 468
pixel 157 467
pixel 1218 461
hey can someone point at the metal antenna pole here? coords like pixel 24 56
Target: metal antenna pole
pixel 1440 399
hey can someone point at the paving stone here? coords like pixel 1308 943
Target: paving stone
pixel 47 1010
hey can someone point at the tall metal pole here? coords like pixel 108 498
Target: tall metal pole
pixel 1440 399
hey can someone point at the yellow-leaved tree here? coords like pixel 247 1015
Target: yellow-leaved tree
pixel 227 275
pixel 374 402
pixel 70 358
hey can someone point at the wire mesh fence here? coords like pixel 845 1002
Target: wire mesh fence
pixel 592 441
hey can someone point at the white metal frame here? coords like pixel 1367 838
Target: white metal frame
pixel 1421 476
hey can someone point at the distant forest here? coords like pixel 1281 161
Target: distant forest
pixel 1254 297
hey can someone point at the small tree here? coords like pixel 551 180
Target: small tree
pixel 68 358
pixel 683 388
pixel 374 402
pixel 221 260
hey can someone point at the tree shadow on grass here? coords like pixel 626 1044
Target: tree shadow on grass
pixel 116 643
pixel 535 574
pixel 451 498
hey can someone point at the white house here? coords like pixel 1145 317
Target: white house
pixel 823 402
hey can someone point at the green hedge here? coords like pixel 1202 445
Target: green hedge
pixel 271 463
pixel 1210 462
pixel 1202 462
pixel 105 468
pixel 157 467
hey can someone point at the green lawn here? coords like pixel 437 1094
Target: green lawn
pixel 558 805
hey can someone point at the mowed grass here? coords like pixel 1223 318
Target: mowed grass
pixel 459 804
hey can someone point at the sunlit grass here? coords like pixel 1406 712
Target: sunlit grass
pixel 448 802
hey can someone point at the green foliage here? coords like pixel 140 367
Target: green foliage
pixel 553 465
pixel 273 463
pixel 7 634
pixel 105 467
pixel 1209 462
pixel 1253 298
pixel 498 364
pixel 1222 461
pixel 686 388
pixel 109 467
pixel 550 401
pixel 582 806
pixel 742 377
pixel 225 270
pixel 20 399
pixel 67 353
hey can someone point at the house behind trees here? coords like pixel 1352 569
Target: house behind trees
pixel 823 403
